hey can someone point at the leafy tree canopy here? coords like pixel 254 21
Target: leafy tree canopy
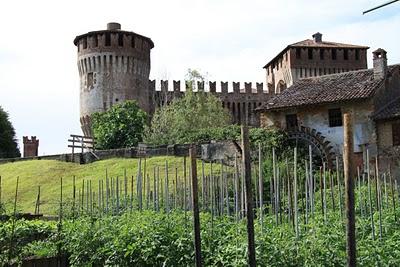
pixel 8 143
pixel 120 126
pixel 180 121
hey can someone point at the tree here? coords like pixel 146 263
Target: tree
pixel 185 117
pixel 120 126
pixel 8 142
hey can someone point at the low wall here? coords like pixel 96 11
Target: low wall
pixel 212 151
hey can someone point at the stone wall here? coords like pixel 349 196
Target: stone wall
pixel 113 66
pixel 240 99
pixel 317 117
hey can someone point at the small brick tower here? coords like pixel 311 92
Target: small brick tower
pixel 31 146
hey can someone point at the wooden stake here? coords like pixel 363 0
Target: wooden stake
pixel 379 197
pixel 249 196
pixel 393 195
pixel 296 217
pixel 339 188
pixel 166 188
pixel 275 186
pixel 37 206
pixel 324 191
pixel 371 209
pixel 349 186
pixel 260 184
pixel 195 204
pixel 237 204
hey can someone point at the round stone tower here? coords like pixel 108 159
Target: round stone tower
pixel 114 66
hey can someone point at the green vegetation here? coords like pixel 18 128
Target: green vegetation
pixel 47 173
pixel 158 239
pixel 120 126
pixel 187 117
pixel 8 142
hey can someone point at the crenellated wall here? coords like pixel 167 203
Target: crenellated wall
pixel 114 66
pixel 241 99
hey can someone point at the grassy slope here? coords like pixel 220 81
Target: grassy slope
pixel 47 173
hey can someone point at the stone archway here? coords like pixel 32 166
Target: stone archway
pixel 321 147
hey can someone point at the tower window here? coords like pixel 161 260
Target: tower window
pixel 396 134
pixel 345 54
pixel 357 54
pixel 335 117
pixel 120 39
pixel 90 80
pixel 321 53
pixel 95 41
pixel 310 53
pixel 108 39
pixel 298 53
pixel 84 43
pixel 334 54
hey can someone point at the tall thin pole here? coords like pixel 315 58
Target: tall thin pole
pixel 371 209
pixel 260 185
pixel 296 217
pixel 195 204
pixel 349 183
pixel 249 196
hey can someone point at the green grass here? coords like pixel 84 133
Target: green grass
pixel 47 174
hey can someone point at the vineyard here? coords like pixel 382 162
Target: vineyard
pixel 142 215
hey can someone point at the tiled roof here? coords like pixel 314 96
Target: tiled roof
pixel 391 111
pixel 346 86
pixel 312 43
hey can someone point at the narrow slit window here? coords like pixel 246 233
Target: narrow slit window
pixel 108 39
pixel 357 54
pixel 346 54
pixel 298 53
pixel 120 39
pixel 334 54
pixel 310 53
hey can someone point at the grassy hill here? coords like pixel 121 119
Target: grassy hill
pixel 47 173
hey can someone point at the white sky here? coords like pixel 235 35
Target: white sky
pixel 231 40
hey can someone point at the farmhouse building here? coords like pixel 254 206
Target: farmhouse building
pixel 311 110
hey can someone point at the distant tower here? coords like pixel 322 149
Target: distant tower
pixel 31 146
pixel 311 58
pixel 114 66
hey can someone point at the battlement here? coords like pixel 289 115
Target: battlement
pixel 220 87
pixel 31 146
pixel 113 37
pixel 32 140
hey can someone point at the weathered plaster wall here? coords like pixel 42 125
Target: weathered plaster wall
pixel 317 117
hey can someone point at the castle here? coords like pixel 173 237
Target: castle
pixel 114 66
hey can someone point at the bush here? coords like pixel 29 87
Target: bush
pixel 120 126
